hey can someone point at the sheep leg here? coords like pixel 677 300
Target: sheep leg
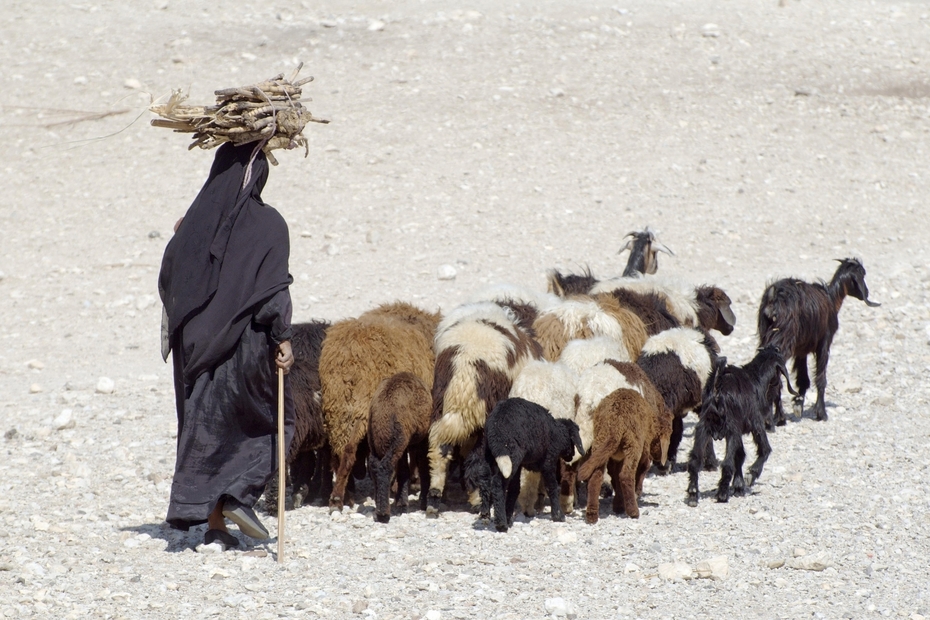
pixel 382 470
pixel 739 485
pixel 628 487
pixel 821 358
pixel 694 462
pixel 734 444
pixel 803 383
pixel 645 462
pixel 529 492
pixel 763 451
pixel 302 476
pixel 513 492
pixel 613 470
pixel 322 484
pixel 402 468
pixel 419 456
pixel 592 512
pixel 498 498
pixel 440 455
pixel 550 477
pixel 567 492
pixel 344 464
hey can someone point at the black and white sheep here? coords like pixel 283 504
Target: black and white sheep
pixel 734 403
pixel 520 434
pixel 480 349
pixel 799 318
pixel 678 362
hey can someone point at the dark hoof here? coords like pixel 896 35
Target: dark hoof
pixel 711 465
pixel 399 509
pixel 780 422
pixel 590 518
pixel 335 504
pixel 617 506
pixel 559 518
pixel 692 501
pixel 822 416
pixel 723 498
pixel 380 518
pixel 750 479
pixel 664 470
pixel 433 500
pixel 501 527
pixel 739 491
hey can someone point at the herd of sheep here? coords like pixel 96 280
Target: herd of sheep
pixel 521 394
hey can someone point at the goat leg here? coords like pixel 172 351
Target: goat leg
pixel 739 485
pixel 734 441
pixel 822 357
pixel 763 450
pixel 627 488
pixel 694 462
pixel 613 470
pixel 567 492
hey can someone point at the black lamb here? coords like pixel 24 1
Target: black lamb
pixel 519 434
pixel 734 403
pixel 799 318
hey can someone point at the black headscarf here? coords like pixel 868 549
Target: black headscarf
pixel 228 256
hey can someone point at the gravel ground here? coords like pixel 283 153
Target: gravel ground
pixel 761 141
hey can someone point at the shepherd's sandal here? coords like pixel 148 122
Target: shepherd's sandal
pixel 243 516
pixel 224 539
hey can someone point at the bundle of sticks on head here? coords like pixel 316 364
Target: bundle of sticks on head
pixel 269 111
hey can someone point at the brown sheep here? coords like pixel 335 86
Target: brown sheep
pixel 628 435
pixel 358 354
pixel 398 423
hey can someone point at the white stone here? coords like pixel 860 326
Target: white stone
pixel 331 249
pixel 815 562
pixel 567 537
pixel 631 568
pixel 710 30
pixel 376 25
pixel 432 614
pixel 64 420
pixel 716 568
pixel 446 272
pixel 672 571
pixel 35 364
pixel 211 548
pixel 558 607
pixel 35 388
pixel 133 83
pixel 105 385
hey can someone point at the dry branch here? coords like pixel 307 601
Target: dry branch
pixel 270 111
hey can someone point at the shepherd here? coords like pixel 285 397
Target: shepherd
pixel 224 282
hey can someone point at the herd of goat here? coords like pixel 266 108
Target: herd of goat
pixel 525 394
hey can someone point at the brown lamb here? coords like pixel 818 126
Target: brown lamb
pixel 628 435
pixel 398 424
pixel 358 354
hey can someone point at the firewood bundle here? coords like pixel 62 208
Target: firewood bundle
pixel 269 111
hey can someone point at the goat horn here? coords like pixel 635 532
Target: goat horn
pixel 659 247
pixel 871 304
pixel 627 245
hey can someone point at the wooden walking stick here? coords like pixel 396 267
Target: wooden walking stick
pixel 281 477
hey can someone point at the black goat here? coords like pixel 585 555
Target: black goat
pixel 734 402
pixel 644 253
pixel 519 433
pixel 799 318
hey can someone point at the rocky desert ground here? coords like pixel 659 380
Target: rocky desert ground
pixel 470 144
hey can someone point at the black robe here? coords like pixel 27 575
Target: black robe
pixel 224 282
